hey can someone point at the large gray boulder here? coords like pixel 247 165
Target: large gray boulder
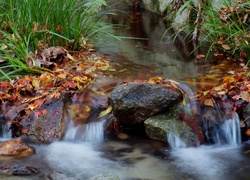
pixel 161 126
pixel 134 103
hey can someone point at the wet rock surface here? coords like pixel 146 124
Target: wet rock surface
pixel 17 169
pixel 59 176
pixel 16 147
pixel 105 177
pixel 134 103
pixel 159 126
pixel 46 127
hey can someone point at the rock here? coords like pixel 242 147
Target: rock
pixel 47 127
pixel 59 176
pixel 169 8
pixel 134 103
pixel 246 114
pixel 105 177
pixel 16 147
pixel 159 126
pixel 17 169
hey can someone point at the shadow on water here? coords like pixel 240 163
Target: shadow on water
pixel 83 155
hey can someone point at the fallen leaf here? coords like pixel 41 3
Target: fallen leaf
pixel 200 56
pixel 105 112
pixel 37 113
pixel 44 111
pixel 226 47
pixel 209 102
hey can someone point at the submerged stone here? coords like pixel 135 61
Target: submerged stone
pixel 16 147
pixel 17 169
pixel 59 176
pixel 105 177
pixel 134 103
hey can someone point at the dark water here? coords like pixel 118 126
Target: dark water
pixel 135 158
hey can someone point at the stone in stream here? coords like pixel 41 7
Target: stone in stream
pixel 134 103
pixel 16 147
pixel 174 122
pixel 17 169
pixel 47 127
pixel 105 177
pixel 59 176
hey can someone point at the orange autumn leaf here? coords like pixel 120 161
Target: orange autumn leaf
pixel 247 132
pixel 200 56
pixel 155 80
pixel 37 114
pixel 44 111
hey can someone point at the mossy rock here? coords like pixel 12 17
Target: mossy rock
pixel 159 126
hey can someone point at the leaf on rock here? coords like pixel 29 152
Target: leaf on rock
pixel 209 102
pixel 44 111
pixel 155 80
pixel 37 113
pixel 245 96
pixel 105 112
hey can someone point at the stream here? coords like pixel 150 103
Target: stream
pixel 138 158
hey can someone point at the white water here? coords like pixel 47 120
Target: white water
pixel 92 132
pixel 229 132
pixel 212 162
pixel 175 142
pixel 5 134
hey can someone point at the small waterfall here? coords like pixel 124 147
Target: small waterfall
pixel 92 132
pixel 4 133
pixel 175 142
pixel 228 132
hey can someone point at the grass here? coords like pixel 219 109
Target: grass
pixel 225 29
pixel 27 23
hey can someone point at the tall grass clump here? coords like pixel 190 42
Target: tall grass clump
pixel 225 29
pixel 27 23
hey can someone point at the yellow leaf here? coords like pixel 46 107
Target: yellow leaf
pixel 70 57
pixel 209 102
pixel 105 112
pixel 226 47
pixel 155 80
pixel 244 95
pixel 36 84
pixel 219 88
pixel 87 108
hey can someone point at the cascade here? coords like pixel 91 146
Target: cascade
pixel 220 129
pixel 175 142
pixel 4 133
pixel 91 132
pixel 228 132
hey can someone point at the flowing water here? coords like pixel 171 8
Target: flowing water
pixel 84 152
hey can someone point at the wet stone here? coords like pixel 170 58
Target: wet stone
pixel 59 176
pixel 16 147
pixel 17 169
pixel 105 177
pixel 134 103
